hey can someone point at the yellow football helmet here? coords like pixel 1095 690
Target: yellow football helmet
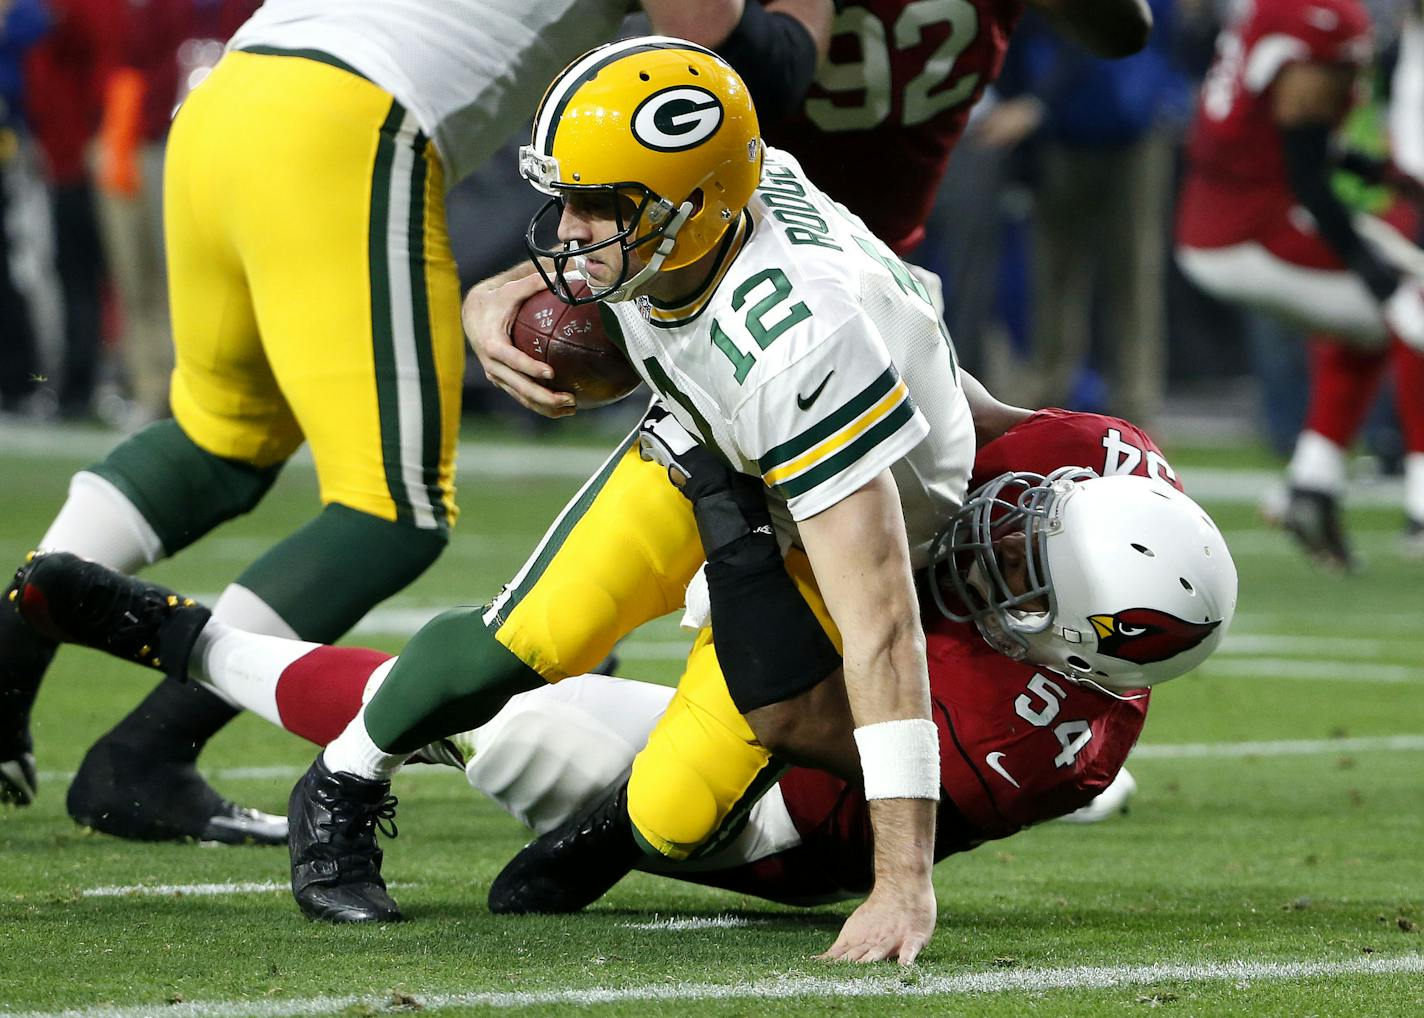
pixel 660 122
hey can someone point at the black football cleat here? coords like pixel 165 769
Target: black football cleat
pixel 24 656
pixel 1314 520
pixel 73 600
pixel 1412 540
pixel 128 792
pixel 336 863
pixel 572 866
pixel 19 783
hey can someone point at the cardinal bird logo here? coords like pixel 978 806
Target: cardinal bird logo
pixel 1145 635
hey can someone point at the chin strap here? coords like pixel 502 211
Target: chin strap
pixel 665 245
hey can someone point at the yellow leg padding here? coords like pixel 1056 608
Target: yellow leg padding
pixel 700 762
pixel 617 557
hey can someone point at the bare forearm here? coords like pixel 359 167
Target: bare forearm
pixel 886 676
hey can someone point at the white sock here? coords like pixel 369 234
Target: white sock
pixel 1414 486
pixel 354 753
pixel 99 523
pixel 240 607
pixel 1317 464
pixel 244 668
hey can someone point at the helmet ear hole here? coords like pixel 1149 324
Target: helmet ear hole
pixel 1187 585
pixel 1078 664
pixel 1142 549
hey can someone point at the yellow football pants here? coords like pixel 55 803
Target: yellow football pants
pixel 622 553
pixel 313 291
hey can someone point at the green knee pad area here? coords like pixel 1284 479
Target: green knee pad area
pixel 183 491
pixel 452 676
pixel 323 578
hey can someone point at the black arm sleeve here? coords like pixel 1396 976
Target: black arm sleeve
pixel 776 56
pixel 1308 166
pixel 769 643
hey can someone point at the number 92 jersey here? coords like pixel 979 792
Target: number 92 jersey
pixel 891 100
pixel 813 359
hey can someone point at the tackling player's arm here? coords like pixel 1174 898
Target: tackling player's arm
pixel 1309 101
pixel 488 314
pixel 1107 28
pixel 860 556
pixel 992 417
pixel 775 47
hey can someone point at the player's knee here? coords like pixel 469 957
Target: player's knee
pixel 544 761
pixel 565 626
pixel 180 488
pixel 674 809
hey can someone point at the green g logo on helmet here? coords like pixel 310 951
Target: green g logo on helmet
pixel 677 118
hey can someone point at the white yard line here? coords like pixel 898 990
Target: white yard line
pixel 184 890
pixel 1286 747
pixel 788 987
pixel 513 459
pixel 1314 670
pixel 697 922
pixel 1280 643
pixel 1159 751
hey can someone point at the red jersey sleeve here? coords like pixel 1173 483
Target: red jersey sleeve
pixel 1057 438
pixel 1315 31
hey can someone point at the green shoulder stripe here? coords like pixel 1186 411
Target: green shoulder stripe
pixel 827 426
pixel 888 426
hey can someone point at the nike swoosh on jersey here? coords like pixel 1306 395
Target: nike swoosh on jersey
pixel 993 761
pixel 804 402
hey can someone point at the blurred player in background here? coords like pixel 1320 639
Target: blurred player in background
pixel 314 298
pixel 1021 739
pixel 1261 224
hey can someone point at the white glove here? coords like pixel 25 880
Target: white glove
pixel 664 441
pixel 1403 312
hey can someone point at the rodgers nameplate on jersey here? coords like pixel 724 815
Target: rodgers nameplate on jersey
pixel 812 358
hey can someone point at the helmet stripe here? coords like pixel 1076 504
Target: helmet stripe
pixel 562 90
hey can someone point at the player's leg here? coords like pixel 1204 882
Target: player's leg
pixel 1408 369
pixel 161 489
pixel 1343 383
pixel 688 795
pixel 621 553
pixel 373 385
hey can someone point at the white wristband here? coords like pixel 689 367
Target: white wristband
pixel 900 759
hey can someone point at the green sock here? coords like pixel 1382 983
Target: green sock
pixel 322 579
pixel 452 676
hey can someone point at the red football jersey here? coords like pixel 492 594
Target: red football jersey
pixel 891 100
pixel 1018 744
pixel 1236 188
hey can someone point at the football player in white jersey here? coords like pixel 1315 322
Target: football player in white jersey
pixel 788 339
pixel 314 299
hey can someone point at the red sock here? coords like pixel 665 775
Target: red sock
pixel 319 693
pixel 1343 380
pixel 1409 395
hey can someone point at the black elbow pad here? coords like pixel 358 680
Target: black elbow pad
pixel 776 57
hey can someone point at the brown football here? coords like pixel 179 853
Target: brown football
pixel 571 340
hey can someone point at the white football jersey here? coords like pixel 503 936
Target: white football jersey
pixel 470 71
pixel 814 359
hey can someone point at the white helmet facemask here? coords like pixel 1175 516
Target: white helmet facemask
pixel 1127 581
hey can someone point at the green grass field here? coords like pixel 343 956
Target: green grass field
pixel 1270 864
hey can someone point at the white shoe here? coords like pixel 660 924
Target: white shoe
pixel 1108 803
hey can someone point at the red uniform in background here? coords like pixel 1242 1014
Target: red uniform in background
pixel 891 101
pixel 1236 188
pixel 1018 744
pixel 1243 237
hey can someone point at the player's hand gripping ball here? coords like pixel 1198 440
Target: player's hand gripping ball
pixel 571 340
